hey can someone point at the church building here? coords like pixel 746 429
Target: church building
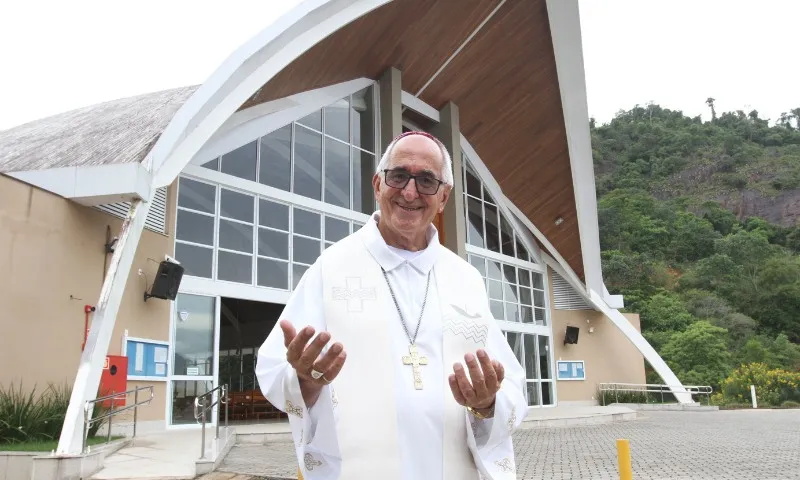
pixel 162 234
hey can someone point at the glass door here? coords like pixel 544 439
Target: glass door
pixel 194 339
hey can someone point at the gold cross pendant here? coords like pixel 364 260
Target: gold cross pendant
pixel 415 361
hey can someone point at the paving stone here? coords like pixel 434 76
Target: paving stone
pixel 724 445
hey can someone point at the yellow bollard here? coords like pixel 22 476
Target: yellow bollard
pixel 299 474
pixel 624 459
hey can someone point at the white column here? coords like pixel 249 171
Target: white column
pixel 87 380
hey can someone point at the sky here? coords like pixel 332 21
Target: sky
pixel 57 56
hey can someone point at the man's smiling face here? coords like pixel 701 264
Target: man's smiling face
pixel 406 213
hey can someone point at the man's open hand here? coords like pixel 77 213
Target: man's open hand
pixel 304 358
pixel 486 375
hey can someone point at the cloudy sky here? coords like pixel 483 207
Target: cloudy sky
pixel 58 55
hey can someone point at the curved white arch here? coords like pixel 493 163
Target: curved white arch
pixel 250 67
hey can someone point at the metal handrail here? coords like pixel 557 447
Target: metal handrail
pixel 646 388
pixel 87 422
pixel 200 412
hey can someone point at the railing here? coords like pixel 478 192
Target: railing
pixel 88 407
pixel 646 388
pixel 203 404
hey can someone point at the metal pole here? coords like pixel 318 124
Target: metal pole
pixel 85 428
pixel 203 439
pixel 226 410
pixel 616 394
pixel 135 409
pixel 216 418
pixel 662 393
pixel 624 459
pixel 110 418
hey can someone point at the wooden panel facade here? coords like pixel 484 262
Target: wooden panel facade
pixel 503 80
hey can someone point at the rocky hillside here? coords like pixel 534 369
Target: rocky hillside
pixel 737 160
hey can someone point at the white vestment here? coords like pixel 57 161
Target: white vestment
pixel 371 422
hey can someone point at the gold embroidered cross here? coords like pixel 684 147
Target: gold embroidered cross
pixel 415 361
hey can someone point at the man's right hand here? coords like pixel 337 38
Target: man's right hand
pixel 304 358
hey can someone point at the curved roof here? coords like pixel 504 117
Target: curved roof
pixel 118 131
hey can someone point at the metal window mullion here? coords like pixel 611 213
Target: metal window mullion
pixel 217 210
pixel 194 244
pixel 254 259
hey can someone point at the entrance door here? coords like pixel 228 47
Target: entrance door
pixel 244 325
pixel 193 362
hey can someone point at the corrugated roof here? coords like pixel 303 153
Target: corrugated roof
pixel 118 131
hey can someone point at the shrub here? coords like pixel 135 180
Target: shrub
pixel 773 387
pixel 26 416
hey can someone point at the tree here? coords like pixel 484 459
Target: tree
pixel 710 102
pixel 699 355
pixel 665 312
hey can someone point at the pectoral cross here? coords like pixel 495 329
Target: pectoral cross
pixel 415 361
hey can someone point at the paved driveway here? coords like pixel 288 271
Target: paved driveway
pixel 747 444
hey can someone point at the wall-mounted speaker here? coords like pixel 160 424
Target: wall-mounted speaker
pixel 571 335
pixel 167 281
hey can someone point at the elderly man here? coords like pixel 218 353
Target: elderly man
pixel 387 359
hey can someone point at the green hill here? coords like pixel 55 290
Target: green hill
pixel 699 230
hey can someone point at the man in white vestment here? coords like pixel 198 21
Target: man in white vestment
pixel 386 358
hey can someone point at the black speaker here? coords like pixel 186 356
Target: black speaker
pixel 167 281
pixel 571 335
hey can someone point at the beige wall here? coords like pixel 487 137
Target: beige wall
pixel 52 263
pixel 607 354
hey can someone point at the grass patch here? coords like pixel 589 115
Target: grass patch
pixel 48 445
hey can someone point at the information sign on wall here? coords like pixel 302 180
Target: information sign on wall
pixel 570 370
pixel 147 359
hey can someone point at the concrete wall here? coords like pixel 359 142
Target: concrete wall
pixel 607 354
pixel 53 263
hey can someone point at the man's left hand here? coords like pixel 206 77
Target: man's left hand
pixel 486 375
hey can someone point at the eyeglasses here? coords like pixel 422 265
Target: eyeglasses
pixel 425 183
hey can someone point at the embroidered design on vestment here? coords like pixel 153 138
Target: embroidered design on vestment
pixel 505 465
pixel 310 462
pixel 354 294
pixel 468 329
pixel 292 409
pixel 512 419
pixel 334 398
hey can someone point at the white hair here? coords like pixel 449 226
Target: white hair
pixel 447 163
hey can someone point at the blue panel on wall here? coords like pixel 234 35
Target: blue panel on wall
pixel 147 359
pixel 570 370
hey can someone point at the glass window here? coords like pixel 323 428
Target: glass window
pixel 363 171
pixel 273 244
pixel 306 223
pixel 234 267
pixel 183 394
pixel 305 250
pixel 362 112
pixel 475 223
pixel 530 356
pixel 195 260
pixel 194 335
pixel 241 162
pixel 212 165
pixel 274 215
pixel 544 358
pixel 197 195
pixel 308 163
pixel 533 393
pixel 337 173
pixel 313 120
pixel 337 122
pixel 236 205
pixel 235 236
pixel 492 232
pixel 472 185
pixel 273 273
pixel 479 263
pixel 547 393
pixel 297 273
pixel 506 237
pixel 335 229
pixel 195 227
pixel 275 166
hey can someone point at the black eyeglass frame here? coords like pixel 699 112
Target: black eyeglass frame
pixel 410 176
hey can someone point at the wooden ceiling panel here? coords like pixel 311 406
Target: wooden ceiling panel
pixel 415 36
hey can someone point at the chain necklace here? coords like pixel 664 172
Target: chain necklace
pixel 413 358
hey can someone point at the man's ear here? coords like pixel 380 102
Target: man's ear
pixel 376 185
pixel 445 197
